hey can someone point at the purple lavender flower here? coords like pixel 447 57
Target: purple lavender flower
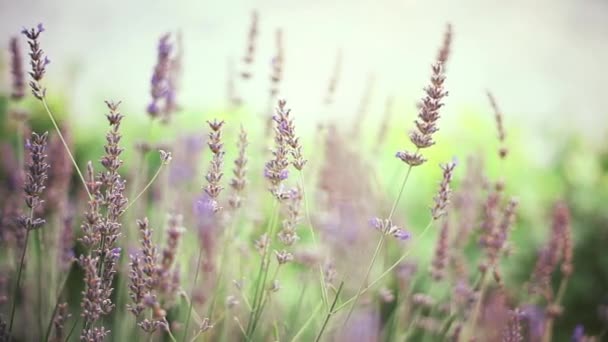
pixel 17 72
pixel 388 228
pixel 578 334
pixel 402 234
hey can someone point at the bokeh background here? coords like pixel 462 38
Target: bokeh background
pixel 543 60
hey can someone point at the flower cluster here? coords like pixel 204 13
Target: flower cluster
pixel 387 227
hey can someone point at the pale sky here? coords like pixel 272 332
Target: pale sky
pixel 544 59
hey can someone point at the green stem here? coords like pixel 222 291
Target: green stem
pixel 385 273
pixel 314 240
pixel 307 323
pixel 65 145
pixel 261 279
pixel 371 264
pixel 38 245
pixel 264 300
pixel 14 305
pixel 369 269
pixel 72 329
pixel 330 312
pixel 198 266
pixel 145 187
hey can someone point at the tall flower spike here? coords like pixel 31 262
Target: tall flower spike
pixel 249 56
pixel 35 179
pixel 442 199
pixel 159 84
pixel 498 116
pixel 428 115
pixel 17 72
pixel 38 60
pixel 277 65
pixel 444 51
pixel 440 259
pixel 275 170
pixel 214 175
pixel 239 181
pixel 286 127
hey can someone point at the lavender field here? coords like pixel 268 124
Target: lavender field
pixel 253 219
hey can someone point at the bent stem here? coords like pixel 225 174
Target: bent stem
pixel 380 242
pixel 65 145
pixel 330 312
pixel 388 270
pixel 263 270
pixel 160 167
pixel 307 323
pixel 314 240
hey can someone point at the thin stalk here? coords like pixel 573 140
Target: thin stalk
pixel 330 312
pixel 145 187
pixel 314 240
pixel 38 245
pixel 20 149
pixel 560 294
pixel 50 325
pixel 14 305
pixel 484 284
pixel 65 145
pixel 260 279
pixel 296 309
pixel 385 273
pixel 228 238
pixel 371 264
pixel 369 269
pixel 72 329
pixel 307 323
pixel 198 266
pixel 264 300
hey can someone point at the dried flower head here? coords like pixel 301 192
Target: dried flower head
pixel 440 259
pixel 387 227
pixel 444 51
pixel 442 199
pixel 277 64
pixel 38 60
pixel 238 182
pixel 61 317
pixel 498 116
pixel 17 71
pixel 333 81
pixel 249 56
pixel 283 257
pixel 214 175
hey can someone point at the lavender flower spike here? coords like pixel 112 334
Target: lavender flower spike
pixel 38 60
